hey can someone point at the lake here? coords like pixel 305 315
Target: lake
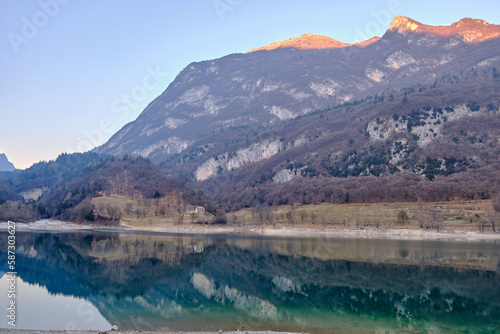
pixel 92 280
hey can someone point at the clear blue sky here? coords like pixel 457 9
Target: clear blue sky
pixel 72 72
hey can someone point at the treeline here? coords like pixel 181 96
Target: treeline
pixel 399 187
pixel 51 173
pixel 6 192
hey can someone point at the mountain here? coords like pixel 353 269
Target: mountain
pixel 418 104
pixel 5 164
pixel 468 30
pixel 304 42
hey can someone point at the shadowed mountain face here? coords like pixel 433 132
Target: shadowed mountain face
pixel 179 283
pixel 5 164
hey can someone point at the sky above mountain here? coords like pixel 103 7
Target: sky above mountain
pixel 73 73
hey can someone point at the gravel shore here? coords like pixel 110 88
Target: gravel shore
pixel 23 331
pixel 394 233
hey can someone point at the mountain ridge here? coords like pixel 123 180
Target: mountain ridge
pixel 304 42
pixel 469 29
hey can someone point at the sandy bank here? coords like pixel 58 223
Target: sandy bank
pixel 46 224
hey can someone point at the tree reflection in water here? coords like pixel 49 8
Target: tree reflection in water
pixel 167 282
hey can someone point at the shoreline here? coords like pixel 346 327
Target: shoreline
pixel 35 331
pixel 392 233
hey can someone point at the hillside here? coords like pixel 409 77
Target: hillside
pixel 84 187
pixel 376 150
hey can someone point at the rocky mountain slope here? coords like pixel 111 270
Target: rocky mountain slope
pixel 422 99
pixel 5 164
pixel 304 42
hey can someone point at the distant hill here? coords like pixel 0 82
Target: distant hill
pixel 65 188
pixel 5 164
pixel 412 115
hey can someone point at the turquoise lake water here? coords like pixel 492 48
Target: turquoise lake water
pixel 92 280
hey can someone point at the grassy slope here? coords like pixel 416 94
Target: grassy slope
pixel 442 216
pixel 451 216
pixel 150 218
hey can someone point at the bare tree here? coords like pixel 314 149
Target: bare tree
pixel 269 215
pixel 492 217
pixel 180 218
pixel 376 220
pixel 402 217
pixel 110 210
pixel 289 215
pixel 314 217
pixel 100 209
pixel 481 224
pixel 128 207
pixel 495 215
pixel 114 213
pixel 302 215
pixel 259 210
pixel 437 220
pixel 147 203
pixel 496 203
pixel 323 219
pixel 421 214
pixel 141 212
pixel 162 210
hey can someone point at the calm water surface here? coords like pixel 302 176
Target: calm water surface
pixel 90 280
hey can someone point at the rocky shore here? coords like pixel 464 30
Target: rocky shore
pixel 26 331
pixel 395 233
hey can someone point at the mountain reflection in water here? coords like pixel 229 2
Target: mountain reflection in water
pixel 167 282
